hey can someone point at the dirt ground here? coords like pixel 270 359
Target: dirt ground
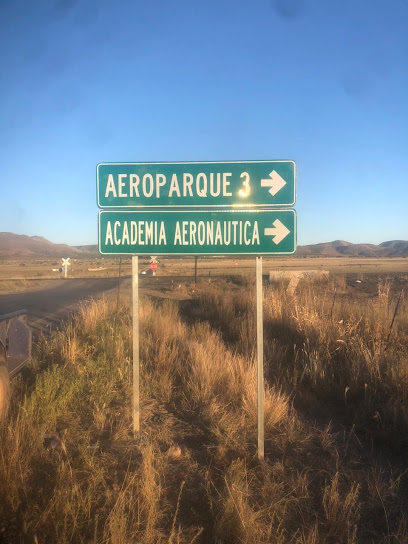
pixel 185 266
pixel 50 302
pixel 49 298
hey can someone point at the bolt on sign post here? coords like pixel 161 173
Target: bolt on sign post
pixel 192 208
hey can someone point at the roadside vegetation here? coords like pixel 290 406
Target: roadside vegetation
pixel 13 286
pixel 336 422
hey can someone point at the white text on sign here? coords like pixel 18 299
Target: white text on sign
pixel 202 185
pixel 201 232
pixel 185 233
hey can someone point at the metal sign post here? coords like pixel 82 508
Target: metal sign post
pixel 259 358
pixel 136 365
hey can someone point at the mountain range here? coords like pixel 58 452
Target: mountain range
pixel 20 246
pixel 340 248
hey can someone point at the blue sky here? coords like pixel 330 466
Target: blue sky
pixel 323 83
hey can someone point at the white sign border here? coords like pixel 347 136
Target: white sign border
pixel 195 206
pixel 194 253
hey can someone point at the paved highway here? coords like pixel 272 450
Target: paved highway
pixel 49 305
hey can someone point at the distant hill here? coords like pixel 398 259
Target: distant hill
pixel 91 248
pixel 19 246
pixel 340 248
pixel 395 248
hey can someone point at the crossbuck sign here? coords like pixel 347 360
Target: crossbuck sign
pixel 65 264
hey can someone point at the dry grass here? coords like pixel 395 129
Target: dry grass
pixel 13 286
pixel 336 421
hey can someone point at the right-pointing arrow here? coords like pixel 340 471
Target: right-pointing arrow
pixel 279 232
pixel 275 182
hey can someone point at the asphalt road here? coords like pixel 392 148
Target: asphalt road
pixel 51 304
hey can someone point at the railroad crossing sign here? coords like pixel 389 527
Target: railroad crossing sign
pixel 241 184
pixel 153 268
pixel 197 232
pixel 65 264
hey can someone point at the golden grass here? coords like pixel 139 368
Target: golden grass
pixel 13 286
pixel 335 401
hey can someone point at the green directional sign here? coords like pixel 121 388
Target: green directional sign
pixel 197 232
pixel 241 184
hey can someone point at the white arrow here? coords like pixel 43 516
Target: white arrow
pixel 275 182
pixel 279 232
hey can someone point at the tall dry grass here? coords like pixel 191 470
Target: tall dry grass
pixel 334 360
pixel 96 484
pixel 326 350
pixel 335 418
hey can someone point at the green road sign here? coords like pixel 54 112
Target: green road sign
pixel 197 232
pixel 241 184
